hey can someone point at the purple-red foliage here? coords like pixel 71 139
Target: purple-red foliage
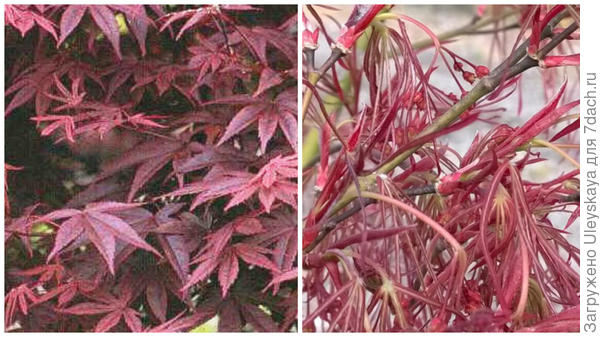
pixel 151 167
pixel 406 231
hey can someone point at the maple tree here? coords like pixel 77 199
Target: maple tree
pixel 151 167
pixel 408 228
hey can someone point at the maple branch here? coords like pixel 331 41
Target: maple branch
pixel 470 28
pixel 364 202
pixel 511 67
pixel 315 76
pixel 493 31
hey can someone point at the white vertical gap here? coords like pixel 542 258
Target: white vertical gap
pixel 300 143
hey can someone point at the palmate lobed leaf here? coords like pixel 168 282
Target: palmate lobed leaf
pixel 281 112
pixel 151 120
pixel 24 18
pixel 219 252
pixel 255 255
pixel 99 226
pixel 217 183
pixel 181 323
pixel 271 183
pixel 115 309
pixel 38 80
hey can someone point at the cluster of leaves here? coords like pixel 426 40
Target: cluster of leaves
pixel 167 138
pixel 407 232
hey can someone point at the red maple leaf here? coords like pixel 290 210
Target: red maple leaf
pixel 38 80
pixel 17 299
pixel 272 183
pixel 178 236
pixel 99 226
pixel 282 111
pixel 104 17
pixel 113 307
pixel 218 253
pixel 24 17
pixel 207 57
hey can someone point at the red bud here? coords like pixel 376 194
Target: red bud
pixel 481 71
pixel 469 76
pixel 458 66
pixel 310 36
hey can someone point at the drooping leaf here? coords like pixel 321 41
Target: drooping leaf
pixel 69 21
pixel 105 19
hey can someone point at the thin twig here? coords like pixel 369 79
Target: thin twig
pixel 509 68
pixel 332 223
